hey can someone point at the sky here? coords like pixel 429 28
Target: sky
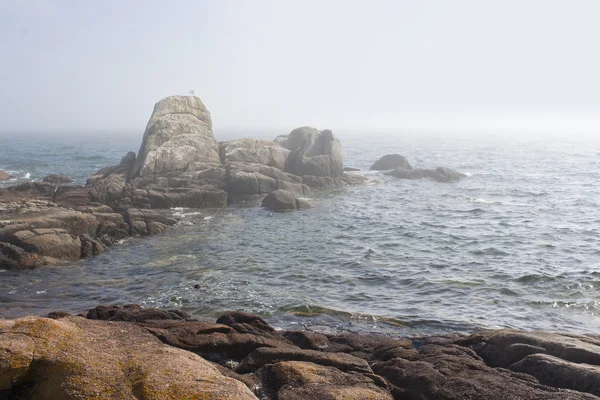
pixel 89 66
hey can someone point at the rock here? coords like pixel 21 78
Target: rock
pixel 178 134
pixel 49 242
pixel 254 151
pixel 440 174
pixel 147 222
pixel 281 200
pixel 90 246
pixel 391 161
pixel 349 169
pixel 4 176
pixel 314 153
pixel 308 340
pixel 281 139
pixel 556 372
pixel 264 355
pixel 403 173
pixel 305 381
pixel 77 358
pixel 56 178
pixel 109 184
pixel 136 313
pixel 255 180
pixel 14 257
pixel 443 174
pixel 246 323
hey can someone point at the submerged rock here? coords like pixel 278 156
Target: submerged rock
pixel 391 161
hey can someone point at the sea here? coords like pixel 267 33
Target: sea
pixel 515 244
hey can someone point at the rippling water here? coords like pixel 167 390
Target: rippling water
pixel 516 244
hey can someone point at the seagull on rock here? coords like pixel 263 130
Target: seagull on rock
pixel 193 92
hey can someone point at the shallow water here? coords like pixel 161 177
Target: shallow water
pixel 516 244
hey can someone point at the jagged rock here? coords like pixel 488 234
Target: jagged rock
pixel 4 176
pixel 56 178
pixel 315 153
pixel 178 134
pixel 75 358
pixel 282 200
pixel 108 185
pixel 391 161
pixel 297 380
pixel 254 151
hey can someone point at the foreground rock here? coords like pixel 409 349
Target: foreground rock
pixel 75 358
pixel 119 349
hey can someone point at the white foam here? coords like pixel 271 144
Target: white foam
pixel 27 175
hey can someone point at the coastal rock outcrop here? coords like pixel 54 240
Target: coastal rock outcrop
pixel 240 356
pixel 391 161
pixel 178 135
pixel 57 178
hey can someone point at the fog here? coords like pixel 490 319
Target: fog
pixel 481 67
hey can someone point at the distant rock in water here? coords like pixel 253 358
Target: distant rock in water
pixel 314 153
pixel 4 176
pixel 349 169
pixel 440 174
pixel 282 200
pixel 55 178
pixel 391 161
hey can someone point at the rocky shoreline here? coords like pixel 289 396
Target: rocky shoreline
pixel 131 352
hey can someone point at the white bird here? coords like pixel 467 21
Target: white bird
pixel 193 92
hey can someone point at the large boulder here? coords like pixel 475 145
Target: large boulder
pixel 178 135
pixel 75 358
pixel 314 153
pixel 255 151
pixel 391 161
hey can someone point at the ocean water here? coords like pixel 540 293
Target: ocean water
pixel 515 244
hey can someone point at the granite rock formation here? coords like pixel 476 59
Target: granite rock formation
pixel 133 352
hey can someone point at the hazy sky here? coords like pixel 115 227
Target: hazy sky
pixel 497 64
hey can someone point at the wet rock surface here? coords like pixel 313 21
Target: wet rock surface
pixel 241 355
